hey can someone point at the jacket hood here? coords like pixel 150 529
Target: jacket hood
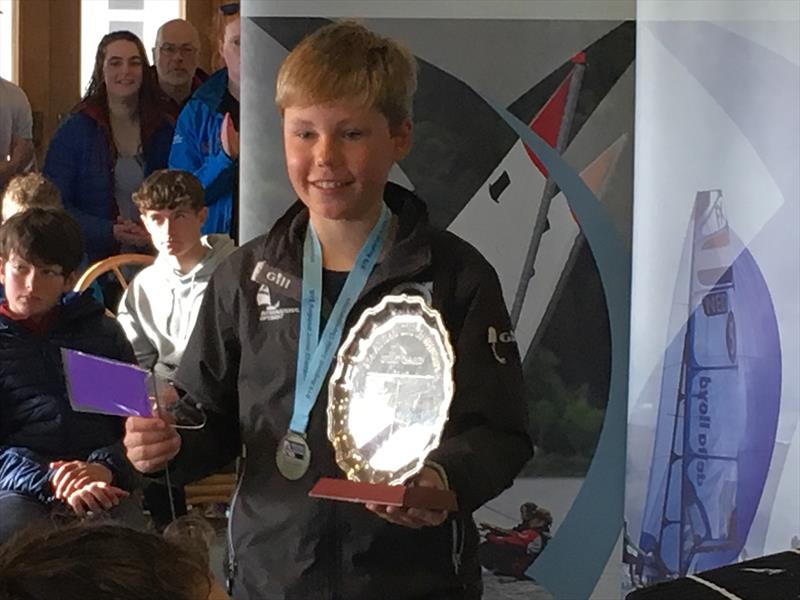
pixel 411 247
pixel 75 307
pixel 219 247
pixel 166 303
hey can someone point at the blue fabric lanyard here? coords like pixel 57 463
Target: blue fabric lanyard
pixel 314 353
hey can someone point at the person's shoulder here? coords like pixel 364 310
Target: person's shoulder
pixel 12 92
pixel 78 123
pixel 458 253
pixel 210 93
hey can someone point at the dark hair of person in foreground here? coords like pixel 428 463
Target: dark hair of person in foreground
pixel 96 561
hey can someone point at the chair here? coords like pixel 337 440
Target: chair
pixel 213 489
pixel 113 264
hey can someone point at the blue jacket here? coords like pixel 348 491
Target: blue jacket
pixel 197 148
pixel 80 163
pixel 37 424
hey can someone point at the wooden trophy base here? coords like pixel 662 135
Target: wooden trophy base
pixel 392 495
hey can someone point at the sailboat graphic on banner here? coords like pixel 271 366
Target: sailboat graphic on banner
pixel 718 410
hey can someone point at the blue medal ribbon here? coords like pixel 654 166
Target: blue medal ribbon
pixel 315 352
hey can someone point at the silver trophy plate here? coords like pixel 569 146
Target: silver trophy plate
pixel 390 392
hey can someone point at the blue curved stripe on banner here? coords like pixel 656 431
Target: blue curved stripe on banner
pixel 576 556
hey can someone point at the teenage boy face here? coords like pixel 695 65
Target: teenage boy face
pixel 33 290
pixel 175 231
pixel 338 156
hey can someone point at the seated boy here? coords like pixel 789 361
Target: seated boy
pixel 160 306
pixel 50 456
pixel 345 95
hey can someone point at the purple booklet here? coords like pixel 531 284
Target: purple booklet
pixel 105 386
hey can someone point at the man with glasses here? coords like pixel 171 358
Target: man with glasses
pixel 175 57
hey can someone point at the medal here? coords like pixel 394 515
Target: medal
pixel 293 455
pixel 315 351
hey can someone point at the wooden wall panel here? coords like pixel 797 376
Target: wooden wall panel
pixel 201 13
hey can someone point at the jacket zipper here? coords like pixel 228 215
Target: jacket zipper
pixel 232 565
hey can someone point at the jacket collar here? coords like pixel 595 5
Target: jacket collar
pixel 213 90
pixel 410 252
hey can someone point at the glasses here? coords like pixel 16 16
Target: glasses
pixel 229 9
pixel 172 49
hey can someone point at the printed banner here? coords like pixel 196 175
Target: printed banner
pixel 523 146
pixel 713 467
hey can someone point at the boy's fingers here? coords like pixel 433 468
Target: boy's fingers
pixel 76 504
pixel 104 498
pixel 90 498
pixel 63 476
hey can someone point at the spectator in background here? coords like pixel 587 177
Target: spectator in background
pixel 116 136
pixel 160 306
pixel 175 59
pixel 206 139
pixel 16 137
pixel 34 190
pixel 24 192
pixel 53 459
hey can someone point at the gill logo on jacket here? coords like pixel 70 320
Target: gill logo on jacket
pixel 503 337
pixel 271 279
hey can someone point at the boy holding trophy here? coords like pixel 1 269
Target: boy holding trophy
pixel 273 317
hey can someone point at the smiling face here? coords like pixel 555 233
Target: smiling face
pixel 338 157
pixel 33 290
pixel 122 69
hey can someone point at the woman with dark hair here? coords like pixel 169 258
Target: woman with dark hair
pixel 206 136
pixel 117 135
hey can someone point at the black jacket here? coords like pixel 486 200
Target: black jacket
pixel 37 424
pixel 240 365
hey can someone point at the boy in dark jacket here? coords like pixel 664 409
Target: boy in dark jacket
pixel 345 95
pixel 50 456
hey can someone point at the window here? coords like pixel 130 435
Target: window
pixel 142 17
pixel 7 40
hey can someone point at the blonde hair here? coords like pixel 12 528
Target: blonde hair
pixel 347 61
pixel 32 190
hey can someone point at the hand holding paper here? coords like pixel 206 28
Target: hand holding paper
pixel 150 443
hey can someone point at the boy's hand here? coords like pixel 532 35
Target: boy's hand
pixel 229 137
pixel 150 443
pixel 414 517
pixel 95 497
pixel 75 474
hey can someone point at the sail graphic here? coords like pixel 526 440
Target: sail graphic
pixel 718 411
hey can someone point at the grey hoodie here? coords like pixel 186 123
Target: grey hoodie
pixel 159 309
